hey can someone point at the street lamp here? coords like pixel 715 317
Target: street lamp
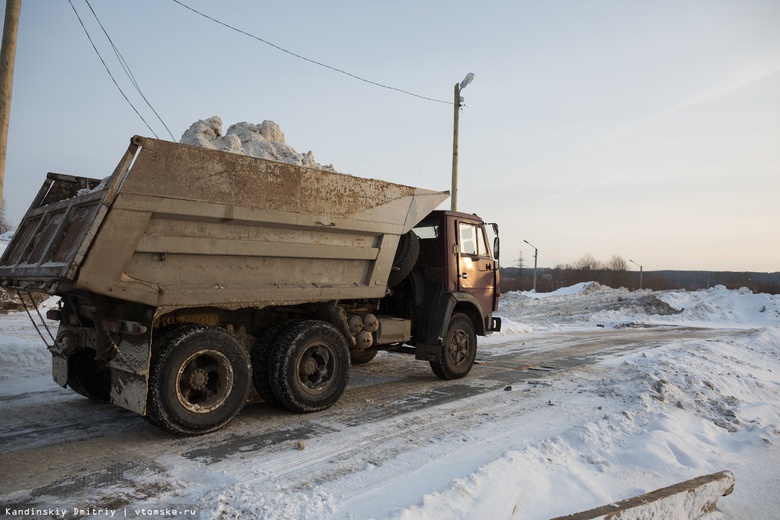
pixel 640 273
pixel 536 254
pixel 457 103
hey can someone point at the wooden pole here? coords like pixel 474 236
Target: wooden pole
pixel 7 59
pixel 454 194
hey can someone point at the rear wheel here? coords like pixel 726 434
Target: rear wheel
pixel 459 350
pixel 261 362
pixel 88 378
pixel 199 380
pixel 310 366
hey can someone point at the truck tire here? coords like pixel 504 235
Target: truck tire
pixel 261 362
pixel 86 378
pixel 459 349
pixel 361 357
pixel 199 380
pixel 310 366
pixel 405 258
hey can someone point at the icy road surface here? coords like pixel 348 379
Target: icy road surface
pixel 589 396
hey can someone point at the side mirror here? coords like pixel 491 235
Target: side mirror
pixel 496 241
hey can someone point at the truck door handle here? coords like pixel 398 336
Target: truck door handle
pixel 464 275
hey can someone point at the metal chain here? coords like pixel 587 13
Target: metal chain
pixel 43 322
pixel 119 352
pixel 40 316
pixel 32 320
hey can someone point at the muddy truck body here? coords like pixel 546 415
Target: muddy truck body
pixel 190 274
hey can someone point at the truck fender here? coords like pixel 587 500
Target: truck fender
pixel 434 319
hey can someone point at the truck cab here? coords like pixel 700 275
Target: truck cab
pixel 452 291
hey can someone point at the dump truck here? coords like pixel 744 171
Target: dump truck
pixel 190 275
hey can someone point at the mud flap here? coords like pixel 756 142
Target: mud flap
pixel 433 322
pixel 130 373
pixel 60 350
pixel 129 391
pixel 59 369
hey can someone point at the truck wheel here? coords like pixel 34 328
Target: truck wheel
pixel 459 349
pixel 87 379
pixel 405 258
pixel 361 357
pixel 310 366
pixel 261 362
pixel 199 380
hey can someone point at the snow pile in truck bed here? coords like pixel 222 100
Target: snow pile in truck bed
pixel 265 141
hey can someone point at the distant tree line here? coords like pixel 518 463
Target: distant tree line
pixel 615 273
pixel 4 224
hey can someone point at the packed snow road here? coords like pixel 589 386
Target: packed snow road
pixel 585 406
pixel 58 447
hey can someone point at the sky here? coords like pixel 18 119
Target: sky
pixel 648 130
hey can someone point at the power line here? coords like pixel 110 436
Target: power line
pixel 109 71
pixel 127 70
pixel 308 59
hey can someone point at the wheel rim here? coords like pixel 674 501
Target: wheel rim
pixel 459 347
pixel 316 368
pixel 204 381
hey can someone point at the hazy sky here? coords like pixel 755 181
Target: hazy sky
pixel 649 130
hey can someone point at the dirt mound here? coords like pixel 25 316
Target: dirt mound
pixel 10 302
pixel 648 304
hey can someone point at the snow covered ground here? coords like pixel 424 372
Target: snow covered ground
pixel 588 396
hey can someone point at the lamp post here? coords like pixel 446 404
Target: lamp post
pixel 536 254
pixel 640 273
pixel 456 106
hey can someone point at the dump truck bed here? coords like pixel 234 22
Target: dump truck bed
pixel 181 226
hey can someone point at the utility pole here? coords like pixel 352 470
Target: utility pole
pixel 640 273
pixel 456 103
pixel 7 58
pixel 536 255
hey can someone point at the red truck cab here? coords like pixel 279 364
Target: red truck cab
pixel 452 291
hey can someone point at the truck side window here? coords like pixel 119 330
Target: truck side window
pixel 472 240
pixel 468 239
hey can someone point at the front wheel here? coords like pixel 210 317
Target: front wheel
pixel 199 380
pixel 459 350
pixel 310 366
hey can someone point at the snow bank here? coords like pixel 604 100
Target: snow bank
pixel 688 410
pixel 579 288
pixel 590 305
pixel 21 353
pixel 719 306
pixel 265 141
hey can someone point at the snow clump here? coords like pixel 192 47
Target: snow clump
pixel 265 141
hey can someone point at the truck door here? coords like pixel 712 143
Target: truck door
pixel 475 265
